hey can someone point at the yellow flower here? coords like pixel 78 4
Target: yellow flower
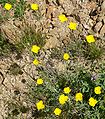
pixel 63 99
pixel 39 81
pixel 35 48
pixel 36 62
pixel 40 105
pixel 97 90
pixel 8 6
pixel 92 102
pixel 57 111
pixel 34 6
pixel 79 97
pixel 90 38
pixel 72 26
pixel 62 18
pixel 66 56
pixel 67 90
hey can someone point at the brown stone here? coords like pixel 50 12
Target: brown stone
pixel 91 5
pixel 102 32
pixel 103 6
pixel 52 42
pixel 98 26
pixel 11 32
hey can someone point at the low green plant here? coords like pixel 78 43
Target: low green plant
pixel 93 52
pixel 8 1
pixel 4 17
pixel 81 48
pixel 37 15
pixel 15 69
pixel 30 38
pixel 20 9
pixel 15 109
pixel 56 53
pixel 5 46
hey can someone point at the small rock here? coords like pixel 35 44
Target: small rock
pixel 98 26
pixel 91 22
pixel 91 5
pixel 61 1
pixel 68 6
pixel 104 19
pixel 51 43
pixel 18 23
pixel 1 79
pixel 11 32
pixel 103 6
pixel 102 32
pixel 86 26
pixel 61 67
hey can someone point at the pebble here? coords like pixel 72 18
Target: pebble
pixel 98 26
pixel 103 6
pixel 102 32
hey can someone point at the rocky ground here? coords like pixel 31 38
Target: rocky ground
pixel 88 14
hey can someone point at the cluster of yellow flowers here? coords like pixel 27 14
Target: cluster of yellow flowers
pixel 8 6
pixel 63 99
pixel 35 49
pixel 66 56
pixel 73 26
pixel 92 101
pixel 78 97
pixel 62 18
